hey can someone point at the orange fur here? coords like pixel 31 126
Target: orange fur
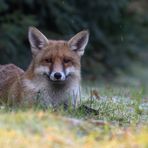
pixel 38 83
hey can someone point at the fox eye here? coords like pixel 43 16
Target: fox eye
pixel 48 60
pixel 66 61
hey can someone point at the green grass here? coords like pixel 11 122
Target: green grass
pixel 43 129
pixel 117 119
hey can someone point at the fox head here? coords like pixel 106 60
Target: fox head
pixel 57 60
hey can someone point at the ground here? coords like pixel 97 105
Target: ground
pixel 111 115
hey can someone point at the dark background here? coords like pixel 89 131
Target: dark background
pixel 118 31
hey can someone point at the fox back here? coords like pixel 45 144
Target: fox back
pixel 53 77
pixel 9 75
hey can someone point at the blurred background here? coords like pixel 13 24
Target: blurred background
pixel 118 32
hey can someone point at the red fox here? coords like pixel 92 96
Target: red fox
pixel 53 77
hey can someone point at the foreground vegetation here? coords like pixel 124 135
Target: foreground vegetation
pixel 42 129
pixel 108 117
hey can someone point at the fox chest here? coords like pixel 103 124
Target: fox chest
pixel 50 96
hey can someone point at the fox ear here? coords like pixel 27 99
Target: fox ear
pixel 37 40
pixel 79 42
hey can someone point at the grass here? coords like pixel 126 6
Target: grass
pixel 113 121
pixel 42 129
pixel 110 115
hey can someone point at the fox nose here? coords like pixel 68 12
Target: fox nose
pixel 57 75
